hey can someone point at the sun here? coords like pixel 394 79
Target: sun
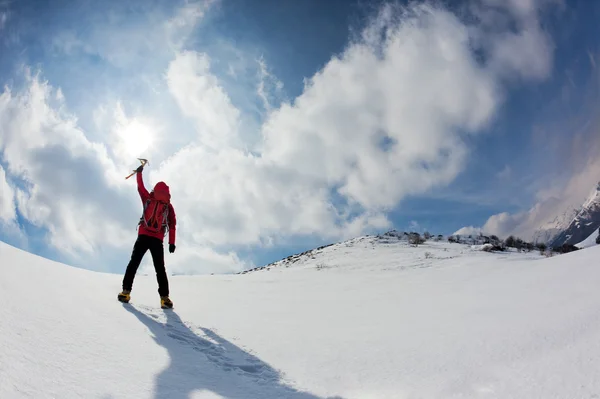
pixel 137 138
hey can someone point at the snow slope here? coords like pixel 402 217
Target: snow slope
pixel 363 319
pixel 588 242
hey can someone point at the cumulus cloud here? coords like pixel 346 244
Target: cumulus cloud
pixel 539 223
pixel 7 200
pixel 233 198
pixel 193 258
pixel 201 97
pixel 524 50
pixel 9 225
pixel 66 178
pixel 72 187
pixel 387 118
pixel 309 155
pixel 469 231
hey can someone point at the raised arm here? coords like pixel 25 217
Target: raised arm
pixel 144 195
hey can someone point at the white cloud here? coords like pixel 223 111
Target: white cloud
pixel 545 214
pixel 385 119
pixel 73 188
pixel 525 50
pixel 179 27
pixel 7 200
pixel 558 199
pixel 68 179
pixel 527 53
pixel 192 258
pixel 268 85
pixel 571 164
pixel 232 198
pixel 9 224
pixel 469 231
pixel 201 98
pixel 130 41
pixel 388 118
pixel 556 205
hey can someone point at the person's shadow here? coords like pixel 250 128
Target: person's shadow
pixel 212 363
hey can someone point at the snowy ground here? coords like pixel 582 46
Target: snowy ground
pixel 363 319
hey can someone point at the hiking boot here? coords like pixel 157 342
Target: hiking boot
pixel 165 302
pixel 124 296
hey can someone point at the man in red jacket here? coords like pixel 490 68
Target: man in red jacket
pixel 158 216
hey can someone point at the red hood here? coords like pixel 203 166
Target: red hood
pixel 162 190
pixel 161 186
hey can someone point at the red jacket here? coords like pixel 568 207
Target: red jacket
pixel 171 220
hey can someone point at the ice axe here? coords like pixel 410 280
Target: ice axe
pixel 143 162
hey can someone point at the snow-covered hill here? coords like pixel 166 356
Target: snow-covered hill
pixel 390 251
pixel 363 319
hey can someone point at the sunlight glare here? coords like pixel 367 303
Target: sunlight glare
pixel 136 137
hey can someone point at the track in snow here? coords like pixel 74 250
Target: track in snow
pixel 182 340
pixel 216 349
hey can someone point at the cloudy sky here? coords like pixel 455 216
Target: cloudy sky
pixel 283 125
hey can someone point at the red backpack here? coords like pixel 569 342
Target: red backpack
pixel 156 209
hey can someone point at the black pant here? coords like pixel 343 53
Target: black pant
pixel 155 245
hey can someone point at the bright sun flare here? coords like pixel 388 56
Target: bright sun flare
pixel 136 138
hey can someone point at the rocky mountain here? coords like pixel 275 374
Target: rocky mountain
pixel 585 222
pixel 547 232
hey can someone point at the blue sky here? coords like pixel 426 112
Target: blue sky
pixel 267 120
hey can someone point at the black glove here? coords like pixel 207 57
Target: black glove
pixel 139 169
pixel 171 248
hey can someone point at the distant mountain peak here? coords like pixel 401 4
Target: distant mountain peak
pixel 584 223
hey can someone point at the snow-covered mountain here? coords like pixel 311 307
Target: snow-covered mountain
pixel 374 318
pixel 583 224
pixel 552 228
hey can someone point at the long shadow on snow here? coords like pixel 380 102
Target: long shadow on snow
pixel 212 363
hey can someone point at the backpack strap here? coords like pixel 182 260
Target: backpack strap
pixel 165 215
pixel 142 220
